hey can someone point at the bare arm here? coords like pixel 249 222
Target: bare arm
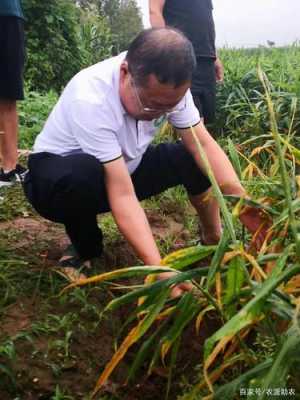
pixel 128 213
pixel 227 179
pixel 131 219
pixel 219 70
pixel 221 166
pixel 156 13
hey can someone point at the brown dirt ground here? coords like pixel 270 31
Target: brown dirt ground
pixel 34 366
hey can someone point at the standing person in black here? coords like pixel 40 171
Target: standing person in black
pixel 194 18
pixel 12 54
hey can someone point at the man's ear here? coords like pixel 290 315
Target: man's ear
pixel 124 70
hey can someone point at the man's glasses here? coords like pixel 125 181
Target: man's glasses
pixel 150 110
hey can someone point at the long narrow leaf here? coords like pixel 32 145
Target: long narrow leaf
pixel 217 258
pixel 283 170
pixel 230 390
pixel 283 363
pixel 155 287
pixel 118 274
pixel 234 158
pixel 216 189
pixel 185 257
pixel 186 310
pixel 145 349
pixel 251 311
pixel 235 278
pixel 134 335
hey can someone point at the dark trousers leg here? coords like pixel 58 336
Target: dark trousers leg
pixel 167 165
pixel 204 89
pixel 69 190
pixel 85 235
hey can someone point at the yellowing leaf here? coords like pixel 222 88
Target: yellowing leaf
pixel 200 317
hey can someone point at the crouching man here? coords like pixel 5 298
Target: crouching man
pixel 94 153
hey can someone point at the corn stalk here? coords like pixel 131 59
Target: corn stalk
pixel 216 189
pixel 283 170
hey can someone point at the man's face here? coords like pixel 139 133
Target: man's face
pixel 151 100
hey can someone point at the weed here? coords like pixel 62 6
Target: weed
pixel 59 395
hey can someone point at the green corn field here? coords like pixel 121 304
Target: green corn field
pixel 249 297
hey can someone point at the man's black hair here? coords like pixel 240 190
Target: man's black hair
pixel 164 52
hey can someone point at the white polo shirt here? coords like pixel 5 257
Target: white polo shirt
pixel 90 118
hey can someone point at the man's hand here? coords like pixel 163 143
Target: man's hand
pixel 179 289
pixel 219 70
pixel 258 223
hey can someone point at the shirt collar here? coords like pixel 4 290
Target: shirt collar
pixel 116 81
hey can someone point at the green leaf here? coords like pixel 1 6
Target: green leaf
pixel 146 348
pixel 185 311
pixel 8 372
pixel 234 158
pixel 49 19
pixel 120 273
pixel 230 390
pixel 217 258
pixel 251 203
pixel 254 307
pixel 235 278
pixel 228 220
pixel 283 363
pixel 185 257
pixel 135 334
pixel 285 213
pixel 156 287
pixel 174 354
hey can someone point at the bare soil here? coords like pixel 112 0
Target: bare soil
pixel 41 364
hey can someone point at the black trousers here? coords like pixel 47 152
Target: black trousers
pixel 12 56
pixel 204 89
pixel 71 190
